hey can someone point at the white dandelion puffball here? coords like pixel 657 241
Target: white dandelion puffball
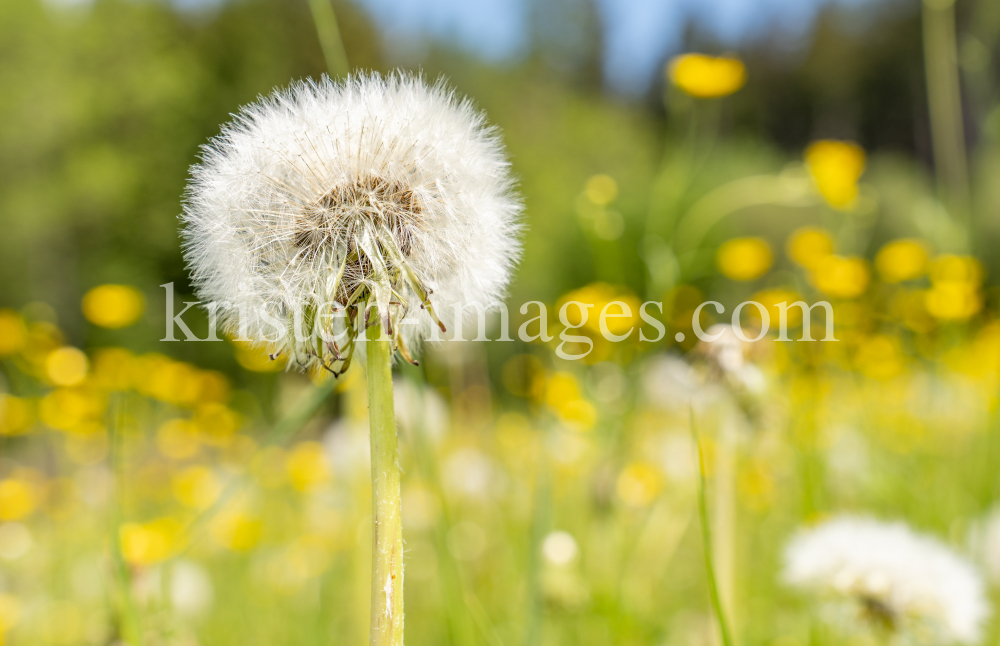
pixel 326 205
pixel 892 578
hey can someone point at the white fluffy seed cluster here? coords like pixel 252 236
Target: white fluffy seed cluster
pixel 908 584
pixel 379 192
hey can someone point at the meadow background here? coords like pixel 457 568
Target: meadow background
pixel 195 493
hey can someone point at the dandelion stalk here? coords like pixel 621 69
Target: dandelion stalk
pixel 944 97
pixel 329 37
pixel 706 538
pixel 387 526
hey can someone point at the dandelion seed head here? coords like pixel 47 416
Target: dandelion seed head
pixel 379 192
pixel 889 578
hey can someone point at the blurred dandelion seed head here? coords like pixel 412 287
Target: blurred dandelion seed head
pixel 899 581
pixel 376 191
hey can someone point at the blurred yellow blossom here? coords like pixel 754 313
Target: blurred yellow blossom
pixel 13 332
pixel 113 306
pixel 770 299
pixel 148 543
pixel 744 258
pixel 600 295
pixel 880 357
pixel 307 466
pixel 836 167
pixel 195 487
pixel 216 423
pixel 808 246
pixel 18 498
pixel 901 260
pixel 953 300
pixel 954 292
pixel 69 409
pixel 177 439
pixel 66 366
pixel 10 612
pixel 601 189
pixel 256 359
pixel 237 531
pixel 956 269
pixel 16 415
pixel 638 484
pixel 707 77
pixel 112 368
pixel 842 277
pixel 756 485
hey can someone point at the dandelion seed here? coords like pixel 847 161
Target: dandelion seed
pixel 890 579
pixel 326 202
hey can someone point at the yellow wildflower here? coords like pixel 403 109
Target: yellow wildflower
pixel 901 260
pixel 148 543
pixel 601 189
pixel 707 77
pixel 842 277
pixel 18 498
pixel 13 332
pixel 808 246
pixel 638 484
pixel 836 167
pixel 113 306
pixel 256 359
pixel 307 466
pixel 744 258
pixel 66 366
pixel 16 415
pixel 195 487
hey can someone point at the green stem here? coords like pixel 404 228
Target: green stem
pixel 329 38
pixel 387 526
pixel 706 537
pixel 944 98
pixel 131 627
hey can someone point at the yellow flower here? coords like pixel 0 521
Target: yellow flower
pixel 13 332
pixel 600 295
pixel 952 268
pixel 237 531
pixel 113 306
pixel 707 77
pixel 954 294
pixel 638 484
pixel 195 487
pixel 256 358
pixel 10 613
pixel 770 299
pixel 70 409
pixel 601 189
pixel 307 466
pixel 880 357
pixel 953 300
pixel 15 415
pixel 148 543
pixel 18 498
pixel 901 260
pixel 66 366
pixel 113 368
pixel 744 258
pixel 836 167
pixel 808 246
pixel 842 277
pixel 216 423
